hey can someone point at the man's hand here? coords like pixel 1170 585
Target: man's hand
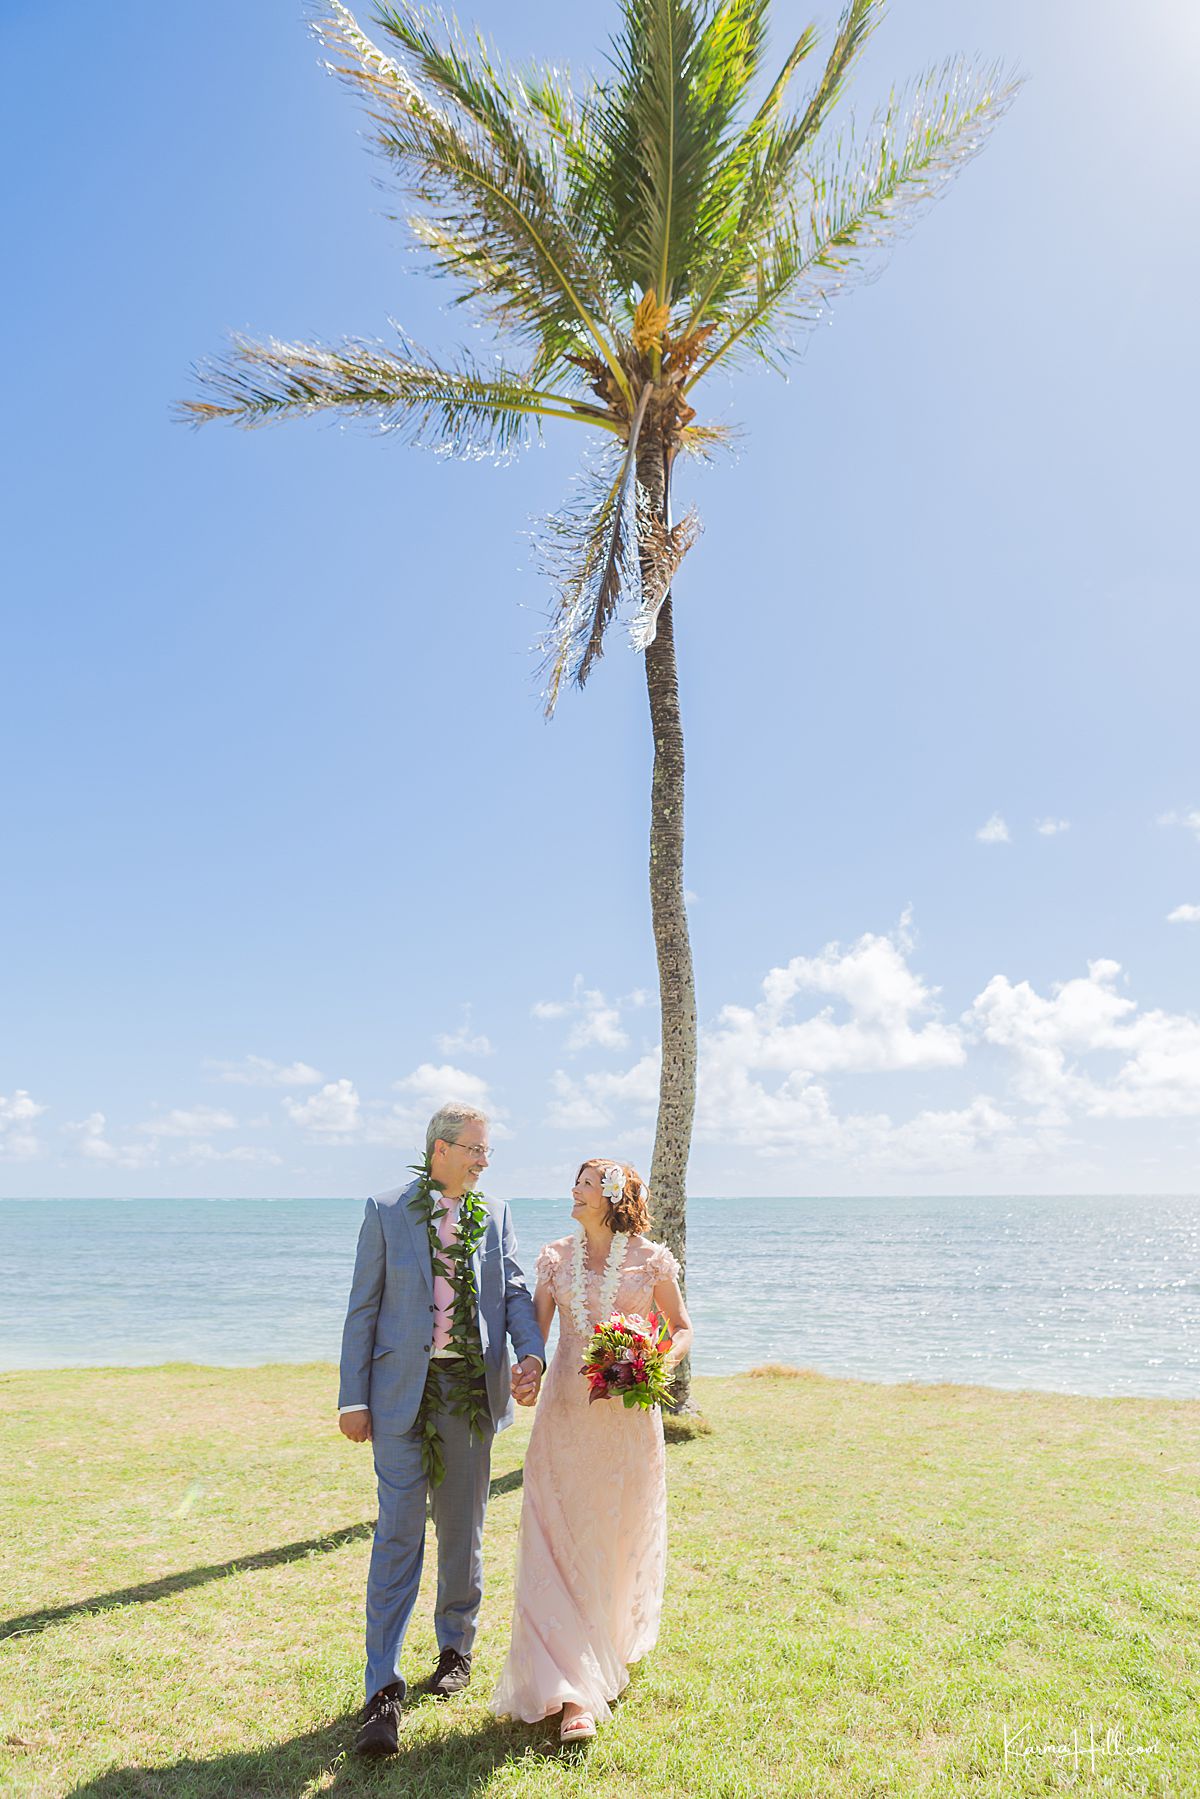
pixel 356 1426
pixel 527 1380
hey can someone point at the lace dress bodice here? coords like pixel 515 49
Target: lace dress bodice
pixel 645 1265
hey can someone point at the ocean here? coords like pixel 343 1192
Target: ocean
pixel 1070 1295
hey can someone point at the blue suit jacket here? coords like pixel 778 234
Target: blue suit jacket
pixel 388 1334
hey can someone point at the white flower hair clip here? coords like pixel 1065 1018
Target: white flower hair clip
pixel 613 1184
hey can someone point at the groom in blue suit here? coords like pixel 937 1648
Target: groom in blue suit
pixel 395 1345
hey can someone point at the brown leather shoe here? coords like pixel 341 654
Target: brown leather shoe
pixel 379 1732
pixel 451 1675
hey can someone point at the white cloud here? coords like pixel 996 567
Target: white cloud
pixel 335 1112
pixel 597 1020
pixel 432 1085
pixel 791 1116
pixel 1184 915
pixel 883 996
pixel 597 1100
pixel 198 1121
pixel 759 1068
pixel 260 1071
pixel 758 1084
pixel 994 831
pixel 95 1146
pixel 766 1072
pixel 952 1138
pixel 1189 820
pixel 798 1115
pixel 402 1124
pixel 1050 827
pixel 18 1140
pixel 1158 1072
pixel 464 1041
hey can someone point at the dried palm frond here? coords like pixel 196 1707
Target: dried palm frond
pixel 589 550
pixel 592 551
pixel 662 548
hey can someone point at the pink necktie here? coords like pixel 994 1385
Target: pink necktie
pixel 443 1292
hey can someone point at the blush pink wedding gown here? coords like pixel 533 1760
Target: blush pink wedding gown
pixel 592 1545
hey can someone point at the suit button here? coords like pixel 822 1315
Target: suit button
pixel 432 1308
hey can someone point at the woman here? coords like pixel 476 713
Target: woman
pixel 591 1553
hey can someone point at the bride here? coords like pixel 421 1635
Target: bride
pixel 591 1551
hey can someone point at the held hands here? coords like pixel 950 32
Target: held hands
pixel 527 1380
pixel 356 1426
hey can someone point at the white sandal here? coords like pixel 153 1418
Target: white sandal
pixel 581 1727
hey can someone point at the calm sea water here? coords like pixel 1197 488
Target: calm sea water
pixel 1076 1295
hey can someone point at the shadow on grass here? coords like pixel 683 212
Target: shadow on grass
pixel 33 1622
pixel 506 1483
pixel 151 1590
pixel 446 1766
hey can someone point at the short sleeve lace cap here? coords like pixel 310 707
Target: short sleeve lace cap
pixel 549 1263
pixel 662 1265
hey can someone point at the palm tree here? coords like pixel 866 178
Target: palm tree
pixel 625 242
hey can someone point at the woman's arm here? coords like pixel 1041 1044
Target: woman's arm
pixel 543 1307
pixel 519 1317
pixel 669 1301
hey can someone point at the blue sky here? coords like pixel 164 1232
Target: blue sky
pixel 289 851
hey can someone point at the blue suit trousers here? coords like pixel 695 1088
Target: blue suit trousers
pixel 398 1552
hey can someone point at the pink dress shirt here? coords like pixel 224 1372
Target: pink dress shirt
pixel 443 1292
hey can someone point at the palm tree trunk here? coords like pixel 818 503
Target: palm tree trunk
pixel 676 981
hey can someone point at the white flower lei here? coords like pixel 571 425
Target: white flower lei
pixel 609 1282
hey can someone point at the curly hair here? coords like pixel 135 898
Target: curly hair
pixel 631 1212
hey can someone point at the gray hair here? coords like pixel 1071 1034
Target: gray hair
pixel 447 1123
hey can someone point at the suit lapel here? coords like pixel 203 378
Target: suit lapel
pixel 477 1267
pixel 419 1236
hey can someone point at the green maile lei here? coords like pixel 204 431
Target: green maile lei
pixel 461 1386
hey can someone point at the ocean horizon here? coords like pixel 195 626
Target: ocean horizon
pixel 1096 1294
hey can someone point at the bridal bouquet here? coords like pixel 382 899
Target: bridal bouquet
pixel 628 1356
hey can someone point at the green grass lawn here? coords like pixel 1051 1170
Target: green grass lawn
pixel 870 1588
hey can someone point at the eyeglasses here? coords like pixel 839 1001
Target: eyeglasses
pixel 474 1149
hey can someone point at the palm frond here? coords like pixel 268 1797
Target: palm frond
pixel 769 111
pixel 729 54
pixel 703 441
pixel 456 145
pixel 760 172
pixel 469 78
pixel 757 165
pixel 857 23
pixel 662 125
pixel 861 201
pixel 760 176
pixel 468 410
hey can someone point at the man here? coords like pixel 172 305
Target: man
pixel 413 1342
